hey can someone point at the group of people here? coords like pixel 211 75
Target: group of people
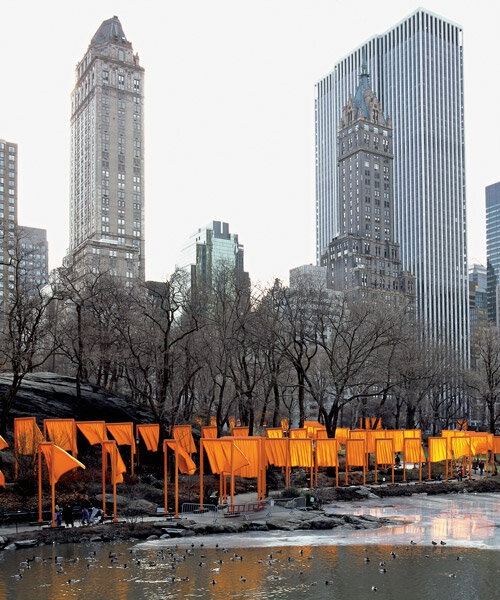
pixel 91 513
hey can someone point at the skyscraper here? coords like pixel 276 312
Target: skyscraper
pixel 8 218
pixel 107 158
pixel 364 257
pixel 478 305
pixel 212 250
pixel 416 72
pixel 493 250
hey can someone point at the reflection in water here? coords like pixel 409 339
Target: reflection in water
pixel 285 565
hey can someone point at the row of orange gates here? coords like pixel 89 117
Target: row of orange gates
pixel 240 454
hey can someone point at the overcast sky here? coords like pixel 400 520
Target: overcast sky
pixel 229 105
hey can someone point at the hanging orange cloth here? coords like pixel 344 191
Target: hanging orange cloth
pixel 327 452
pixel 311 427
pixel 250 447
pixel 496 444
pixel 437 449
pixel 3 443
pixel 276 451
pixel 274 432
pixel 213 421
pixel 184 461
pixel 462 424
pixel 413 451
pixel 209 432
pixel 219 455
pixel 27 435
pixel 341 434
pixel 232 422
pixel 63 433
pixel 185 437
pixel 123 434
pixel 2 479
pixel 151 435
pixel 117 465
pixel 301 454
pixel 384 451
pixel 322 434
pixel 412 433
pixel 240 431
pixel 58 461
pixel 284 424
pixel 460 446
pixel 298 434
pixel 94 431
pixel 479 442
pixel 398 437
pixel 355 452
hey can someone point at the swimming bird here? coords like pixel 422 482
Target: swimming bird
pixel 374 589
pixel 460 557
pixel 382 564
pixel 213 582
pixel 434 543
pixel 412 543
pixel 70 581
pixel 442 543
pixel 89 566
pixel 216 570
pixel 290 558
pixel 202 564
pixel 17 576
pixel 382 570
pixel 327 582
pixel 242 579
pixel 452 575
pixel 366 559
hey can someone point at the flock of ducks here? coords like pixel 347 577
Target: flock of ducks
pixel 173 556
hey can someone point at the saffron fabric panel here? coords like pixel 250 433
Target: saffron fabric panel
pixel 413 451
pixel 355 452
pixel 2 479
pixel 94 431
pixel 277 451
pixel 284 424
pixel 185 463
pixel 58 461
pixel 27 435
pixel 398 437
pixel 301 452
pixel 274 432
pixel 297 434
pixel 250 447
pixel 460 446
pixel 3 443
pixel 117 465
pixel 123 434
pixel 63 433
pixel 151 435
pixel 219 455
pixel 384 451
pixel 480 442
pixel 209 431
pixel 240 431
pixel 327 452
pixel 341 434
pixel 437 449
pixel 185 437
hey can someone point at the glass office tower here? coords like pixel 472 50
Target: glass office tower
pixel 493 249
pixel 416 71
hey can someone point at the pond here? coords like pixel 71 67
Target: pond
pixel 284 565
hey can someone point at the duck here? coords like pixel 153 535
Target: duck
pixel 412 543
pixel 243 579
pixel 374 589
pixel 328 582
pixel 442 543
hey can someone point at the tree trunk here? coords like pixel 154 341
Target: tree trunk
pixel 277 401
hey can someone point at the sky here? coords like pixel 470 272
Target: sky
pixel 229 113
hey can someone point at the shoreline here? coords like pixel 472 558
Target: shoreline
pixel 311 519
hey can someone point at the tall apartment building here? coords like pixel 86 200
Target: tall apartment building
pixel 493 251
pixel 107 158
pixel 364 256
pixel 209 251
pixel 478 305
pixel 8 217
pixel 34 255
pixel 416 70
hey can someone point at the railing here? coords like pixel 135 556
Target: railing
pixel 244 509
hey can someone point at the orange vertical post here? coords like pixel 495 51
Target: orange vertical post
pixel 176 482
pixel 446 462
pixel 221 490
pixel 40 520
pixel 404 459
pixel 287 466
pixel 113 476
pixel 53 490
pixel 201 473
pixel 165 477
pixel 232 472
pixel 346 465
pixel 131 459
pixel 103 473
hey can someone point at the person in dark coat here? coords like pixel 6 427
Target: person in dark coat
pixel 67 513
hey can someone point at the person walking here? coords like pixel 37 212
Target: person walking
pixel 67 513
pixel 481 468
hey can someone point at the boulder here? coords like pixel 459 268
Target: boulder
pixel 10 547
pixel 26 543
